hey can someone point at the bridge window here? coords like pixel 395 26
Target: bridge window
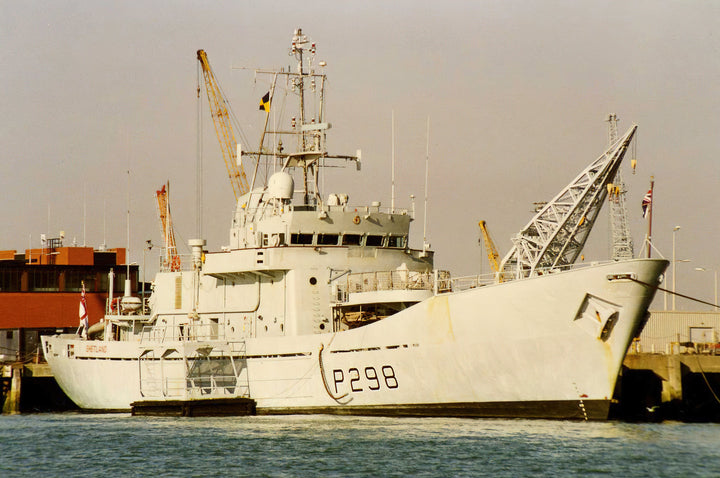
pixel 351 239
pixel 374 241
pixel 301 239
pixel 327 239
pixel 396 241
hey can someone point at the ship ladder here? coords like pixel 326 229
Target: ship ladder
pixel 216 370
pixel 150 374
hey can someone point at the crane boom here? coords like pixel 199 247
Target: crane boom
pixel 555 237
pixel 492 252
pixel 171 259
pixel 219 109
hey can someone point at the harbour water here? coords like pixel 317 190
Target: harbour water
pixel 77 444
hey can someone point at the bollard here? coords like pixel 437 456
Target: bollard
pixel 12 401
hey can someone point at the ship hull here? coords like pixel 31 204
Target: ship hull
pixel 545 347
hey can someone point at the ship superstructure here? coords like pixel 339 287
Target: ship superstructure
pixel 319 306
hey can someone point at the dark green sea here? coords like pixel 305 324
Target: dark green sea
pixel 78 445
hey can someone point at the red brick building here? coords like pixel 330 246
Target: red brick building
pixel 40 292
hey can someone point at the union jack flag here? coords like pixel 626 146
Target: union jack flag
pixel 83 313
pixel 647 203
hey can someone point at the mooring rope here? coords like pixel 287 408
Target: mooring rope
pixel 702 372
pixel 676 293
pixel 697 357
pixel 324 380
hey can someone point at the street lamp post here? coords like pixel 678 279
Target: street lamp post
pixel 675 229
pixel 672 291
pixel 715 274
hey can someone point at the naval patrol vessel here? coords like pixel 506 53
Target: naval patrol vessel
pixel 320 306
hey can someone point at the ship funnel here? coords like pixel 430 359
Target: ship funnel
pixel 196 245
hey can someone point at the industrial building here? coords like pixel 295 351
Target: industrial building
pixel 40 292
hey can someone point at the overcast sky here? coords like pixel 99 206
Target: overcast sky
pixel 517 93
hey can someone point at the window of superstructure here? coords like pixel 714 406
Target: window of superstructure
pixel 351 239
pixel 10 280
pixel 44 280
pixel 374 241
pixel 301 239
pixel 396 241
pixel 119 284
pixel 75 278
pixel 103 282
pixel 327 239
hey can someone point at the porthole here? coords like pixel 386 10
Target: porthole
pixel 313 281
pixel 322 326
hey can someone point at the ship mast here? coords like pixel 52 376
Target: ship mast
pixel 310 132
pixel 298 50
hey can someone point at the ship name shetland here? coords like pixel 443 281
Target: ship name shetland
pixel 97 349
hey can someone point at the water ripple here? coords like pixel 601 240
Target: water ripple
pixel 75 444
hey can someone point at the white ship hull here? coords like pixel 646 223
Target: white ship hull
pixel 550 346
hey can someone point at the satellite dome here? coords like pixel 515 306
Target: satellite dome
pixel 281 186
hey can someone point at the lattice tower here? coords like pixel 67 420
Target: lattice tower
pixel 622 243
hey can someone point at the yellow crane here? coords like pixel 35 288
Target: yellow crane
pixel 219 110
pixel 171 261
pixel 493 256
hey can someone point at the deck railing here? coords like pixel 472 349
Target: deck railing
pixel 388 280
pixel 183 332
pixel 183 262
pixel 438 281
